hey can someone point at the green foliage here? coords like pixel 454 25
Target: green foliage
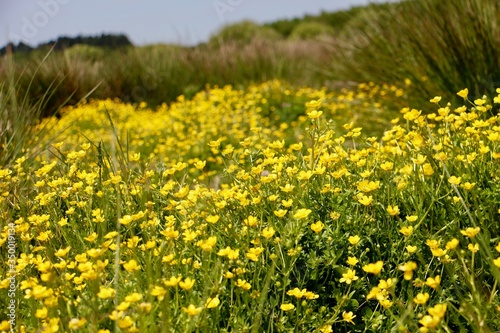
pixel 337 20
pixel 85 52
pixel 159 73
pixel 19 115
pixel 311 30
pixel 243 33
pixel 441 46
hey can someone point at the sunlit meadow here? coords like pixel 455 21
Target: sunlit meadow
pixel 268 209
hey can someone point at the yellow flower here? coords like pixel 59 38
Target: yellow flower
pixel 212 302
pixel 4 326
pixel 454 180
pixel 420 159
pixel 213 218
pixel 408 269
pixel 365 200
pixel 368 186
pixel 386 304
pixel 352 261
pixel 268 232
pixel 314 103
pixel 63 221
pixel 470 232
pixel 317 227
pixel 287 306
pixel 427 169
pixel 280 212
pixel 437 310
pixel 251 221
pixel 253 253
pixel 496 262
pixel 243 284
pixel 463 93
pixel 42 313
pixel 77 323
pixel 200 164
pixel 326 329
pixel 433 282
pixel 310 294
pixel 412 115
pixel 348 316
pixel 355 239
pixel 106 292
pixel 421 298
pixel 183 191
pixel 411 218
pixel 411 249
pixel 159 292
pixel 187 284
pixel 296 292
pixel 135 157
pixel 134 297
pixel 62 252
pixel 473 247
pixel 92 237
pixel 125 322
pixel 393 210
pixel 173 281
pixel 144 307
pixel 192 310
pixel 468 186
pixel 375 292
pixel 406 231
pixel 429 321
pixel 302 213
pixel 386 284
pixel 479 101
pixel 452 244
pixel 131 266
pixel 314 114
pixel 125 220
pixel 387 166
pixel 115 315
pixel 432 243
pixel 435 99
pixel 374 268
pixel 349 276
pixel 233 254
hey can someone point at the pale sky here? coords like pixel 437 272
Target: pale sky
pixel 146 21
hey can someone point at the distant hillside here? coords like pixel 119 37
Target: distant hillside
pixel 111 41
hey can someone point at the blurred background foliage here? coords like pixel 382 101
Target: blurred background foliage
pixel 438 46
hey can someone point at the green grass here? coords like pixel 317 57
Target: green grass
pixel 441 46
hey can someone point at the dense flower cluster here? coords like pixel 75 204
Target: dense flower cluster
pixel 215 214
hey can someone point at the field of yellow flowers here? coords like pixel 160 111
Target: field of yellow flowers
pixel 266 209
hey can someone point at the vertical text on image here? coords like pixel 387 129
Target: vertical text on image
pixel 11 273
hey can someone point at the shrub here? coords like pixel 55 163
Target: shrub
pixel 311 30
pixel 86 52
pixel 243 33
pixel 440 46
